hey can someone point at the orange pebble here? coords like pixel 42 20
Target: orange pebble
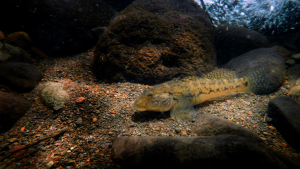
pixel 249 112
pixel 22 129
pixel 271 127
pixel 94 119
pixel 39 128
pixel 80 99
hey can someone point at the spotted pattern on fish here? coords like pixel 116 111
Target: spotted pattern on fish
pixel 179 96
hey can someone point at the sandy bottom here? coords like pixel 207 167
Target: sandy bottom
pixel 106 114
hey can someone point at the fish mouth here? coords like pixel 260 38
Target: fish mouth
pixel 135 107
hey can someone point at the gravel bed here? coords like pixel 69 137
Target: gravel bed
pixel 106 114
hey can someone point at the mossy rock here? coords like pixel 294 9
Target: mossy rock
pixel 151 42
pixel 20 39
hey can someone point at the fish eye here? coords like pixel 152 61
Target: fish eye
pixel 150 95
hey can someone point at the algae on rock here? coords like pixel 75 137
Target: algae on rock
pixel 53 94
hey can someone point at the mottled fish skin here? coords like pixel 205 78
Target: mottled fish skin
pixel 180 96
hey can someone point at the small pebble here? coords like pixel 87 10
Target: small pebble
pixel 49 164
pixel 296 56
pixel 22 129
pixel 290 62
pixel 13 140
pixel 79 121
pixel 80 99
pixel 271 127
pixel 177 130
pixel 94 119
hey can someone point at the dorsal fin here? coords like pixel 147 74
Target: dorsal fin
pixel 221 74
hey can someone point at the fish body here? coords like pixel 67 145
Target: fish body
pixel 178 97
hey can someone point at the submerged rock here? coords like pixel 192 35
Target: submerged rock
pixel 58 28
pixel 22 77
pixel 263 66
pixel 20 39
pixel 211 125
pixel 285 114
pixel 232 41
pixel 53 94
pixel 17 48
pixel 212 152
pixel 14 54
pixel 294 79
pixel 12 108
pixel 155 41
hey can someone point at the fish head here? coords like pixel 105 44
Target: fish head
pixel 151 100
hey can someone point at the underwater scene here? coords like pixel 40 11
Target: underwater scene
pixel 149 84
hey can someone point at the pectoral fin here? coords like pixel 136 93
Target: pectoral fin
pixel 184 111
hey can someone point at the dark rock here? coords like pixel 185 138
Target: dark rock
pixel 232 41
pixel 14 54
pixel 211 125
pixel 155 41
pixel 117 4
pixel 22 77
pixel 282 51
pixel 17 48
pixel 79 121
pixel 57 28
pixel 20 39
pixel 12 108
pixel 2 36
pixel 285 114
pixel 264 66
pixel 289 40
pixel 294 75
pixel 212 152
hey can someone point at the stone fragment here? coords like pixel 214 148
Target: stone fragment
pixel 80 99
pixel 285 114
pixel 290 62
pixel 296 56
pixel 79 121
pixel 211 125
pixel 214 152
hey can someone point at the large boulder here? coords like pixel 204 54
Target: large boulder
pixel 155 41
pixel 58 28
pixel 233 41
pixel 264 66
pixel 12 108
pixel 285 114
pixel 22 77
pixel 214 152
pixel 211 125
